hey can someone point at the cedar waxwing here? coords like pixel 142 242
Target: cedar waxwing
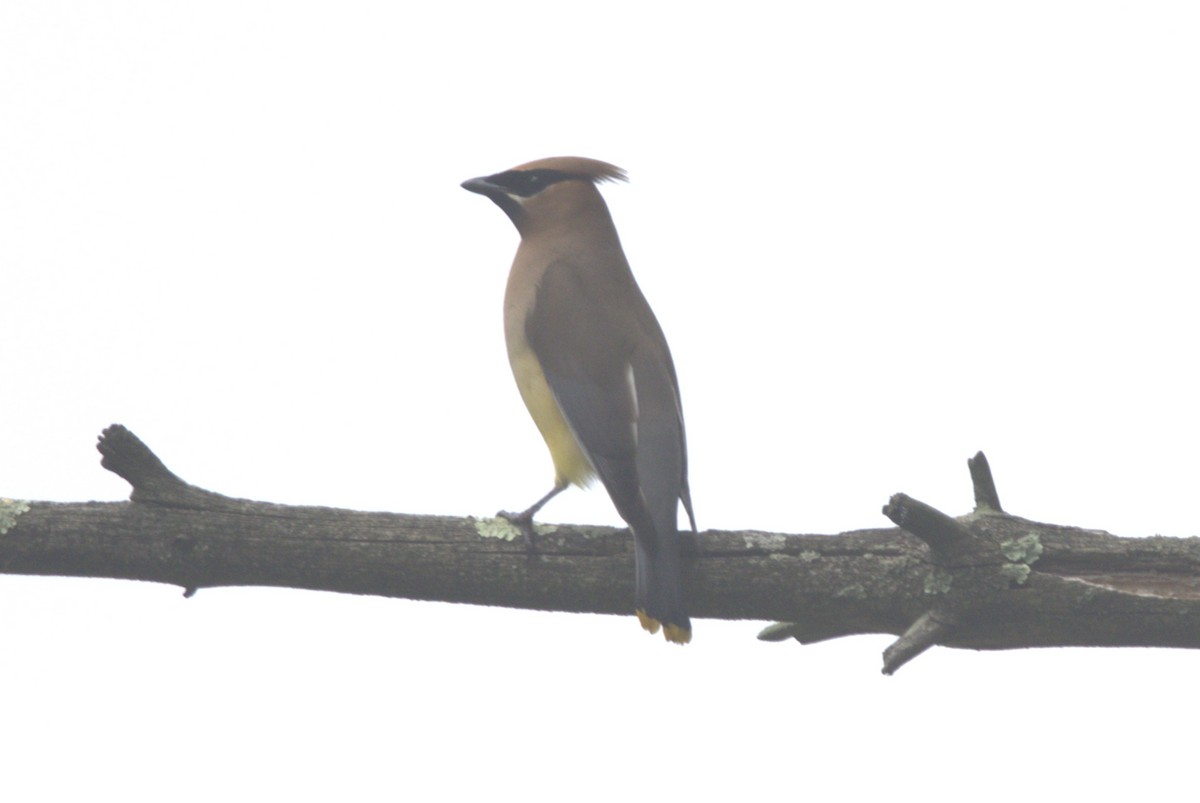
pixel 593 367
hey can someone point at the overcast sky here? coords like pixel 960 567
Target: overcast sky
pixel 879 236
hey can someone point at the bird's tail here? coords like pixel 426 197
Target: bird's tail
pixel 657 559
pixel 659 595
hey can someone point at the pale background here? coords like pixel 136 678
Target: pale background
pixel 879 236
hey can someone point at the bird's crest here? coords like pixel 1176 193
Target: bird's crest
pixel 593 170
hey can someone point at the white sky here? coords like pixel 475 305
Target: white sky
pixel 880 236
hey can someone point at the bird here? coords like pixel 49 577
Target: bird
pixel 593 368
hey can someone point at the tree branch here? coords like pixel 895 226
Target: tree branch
pixel 986 498
pixel 930 629
pixel 987 580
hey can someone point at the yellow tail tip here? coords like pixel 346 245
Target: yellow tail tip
pixel 676 634
pixel 672 633
pixel 648 623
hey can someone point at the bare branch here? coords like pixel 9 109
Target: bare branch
pixel 929 524
pixel 930 629
pixel 1002 581
pixel 986 498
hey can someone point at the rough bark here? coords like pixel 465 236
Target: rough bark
pixel 987 580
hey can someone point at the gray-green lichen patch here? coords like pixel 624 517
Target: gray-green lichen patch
pixel 10 511
pixel 1022 553
pixel 1026 549
pixel 497 527
pixel 809 555
pixel 938 581
pixel 505 530
pixel 1015 572
pixel 767 541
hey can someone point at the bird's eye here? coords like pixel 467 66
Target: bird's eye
pixel 527 183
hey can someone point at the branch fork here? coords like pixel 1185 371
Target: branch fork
pixel 971 567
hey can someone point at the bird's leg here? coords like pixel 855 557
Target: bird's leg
pixel 524 519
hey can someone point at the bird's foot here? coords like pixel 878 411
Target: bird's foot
pixel 524 522
pixel 524 519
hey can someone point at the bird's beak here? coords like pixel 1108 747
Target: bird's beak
pixel 484 187
pixel 499 196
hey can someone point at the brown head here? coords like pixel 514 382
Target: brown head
pixel 546 193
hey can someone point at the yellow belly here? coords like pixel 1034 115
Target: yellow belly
pixel 570 463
